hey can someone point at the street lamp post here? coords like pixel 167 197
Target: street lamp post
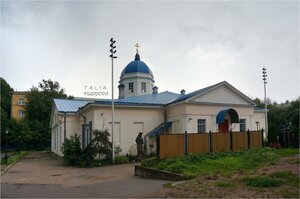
pixel 6 144
pixel 112 52
pixel 264 72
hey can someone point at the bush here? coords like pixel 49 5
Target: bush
pixel 74 155
pixel 150 162
pixel 177 167
pixel 121 160
pixel 72 150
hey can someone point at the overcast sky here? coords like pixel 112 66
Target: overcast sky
pixel 187 45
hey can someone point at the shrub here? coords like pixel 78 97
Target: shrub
pixel 72 150
pixel 76 156
pixel 121 160
pixel 178 167
pixel 150 162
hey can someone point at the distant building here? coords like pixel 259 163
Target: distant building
pixel 142 109
pixel 18 102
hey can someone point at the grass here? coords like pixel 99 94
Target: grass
pixel 15 157
pixel 228 185
pixel 262 181
pixel 287 177
pixel 225 164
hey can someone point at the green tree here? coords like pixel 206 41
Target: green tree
pixel 38 109
pixel 102 144
pixel 5 107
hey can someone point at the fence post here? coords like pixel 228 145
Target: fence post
pixel 249 141
pixel 185 143
pixel 262 137
pixel 210 142
pixel 231 140
pixel 157 146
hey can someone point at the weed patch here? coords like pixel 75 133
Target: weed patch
pixel 286 176
pixel 261 181
pixel 228 185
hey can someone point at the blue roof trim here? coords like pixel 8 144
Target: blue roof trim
pixel 234 117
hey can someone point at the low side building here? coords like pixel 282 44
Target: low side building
pixel 18 102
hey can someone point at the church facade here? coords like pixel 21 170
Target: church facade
pixel 142 109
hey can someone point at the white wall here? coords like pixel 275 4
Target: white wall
pixel 137 79
pixel 73 126
pixel 180 114
pixel 128 121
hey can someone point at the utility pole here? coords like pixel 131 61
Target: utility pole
pixel 112 52
pixel 264 72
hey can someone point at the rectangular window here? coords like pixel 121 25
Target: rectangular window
pixel 131 87
pixel 143 87
pixel 242 125
pixel 21 113
pixel 21 101
pixel 201 126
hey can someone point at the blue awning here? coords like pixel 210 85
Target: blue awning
pixel 234 117
pixel 159 129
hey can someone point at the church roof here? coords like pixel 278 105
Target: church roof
pixel 136 66
pixel 160 99
pixel 69 105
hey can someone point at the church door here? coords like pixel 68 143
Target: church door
pixel 224 128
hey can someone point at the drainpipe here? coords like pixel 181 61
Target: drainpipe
pixel 65 125
pixel 83 130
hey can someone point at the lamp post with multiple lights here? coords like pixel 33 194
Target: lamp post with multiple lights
pixel 112 52
pixel 264 75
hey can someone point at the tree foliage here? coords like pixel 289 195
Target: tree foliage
pixel 280 116
pixel 101 143
pixel 5 106
pixel 38 110
pixel 100 146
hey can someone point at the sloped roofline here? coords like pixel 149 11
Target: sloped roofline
pixel 180 99
pixel 198 93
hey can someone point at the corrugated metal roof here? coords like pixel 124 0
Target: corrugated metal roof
pixel 155 99
pixel 70 105
pixel 164 98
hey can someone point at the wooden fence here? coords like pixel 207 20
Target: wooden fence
pixel 172 145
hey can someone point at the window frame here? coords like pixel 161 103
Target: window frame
pixel 21 115
pixel 201 126
pixel 21 101
pixel 130 87
pixel 243 125
pixel 143 90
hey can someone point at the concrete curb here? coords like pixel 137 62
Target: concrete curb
pixel 8 167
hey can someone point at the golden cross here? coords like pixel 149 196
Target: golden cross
pixel 137 47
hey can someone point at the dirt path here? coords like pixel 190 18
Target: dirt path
pixel 232 187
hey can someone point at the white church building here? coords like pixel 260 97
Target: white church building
pixel 141 108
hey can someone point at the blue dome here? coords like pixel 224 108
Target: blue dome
pixel 136 66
